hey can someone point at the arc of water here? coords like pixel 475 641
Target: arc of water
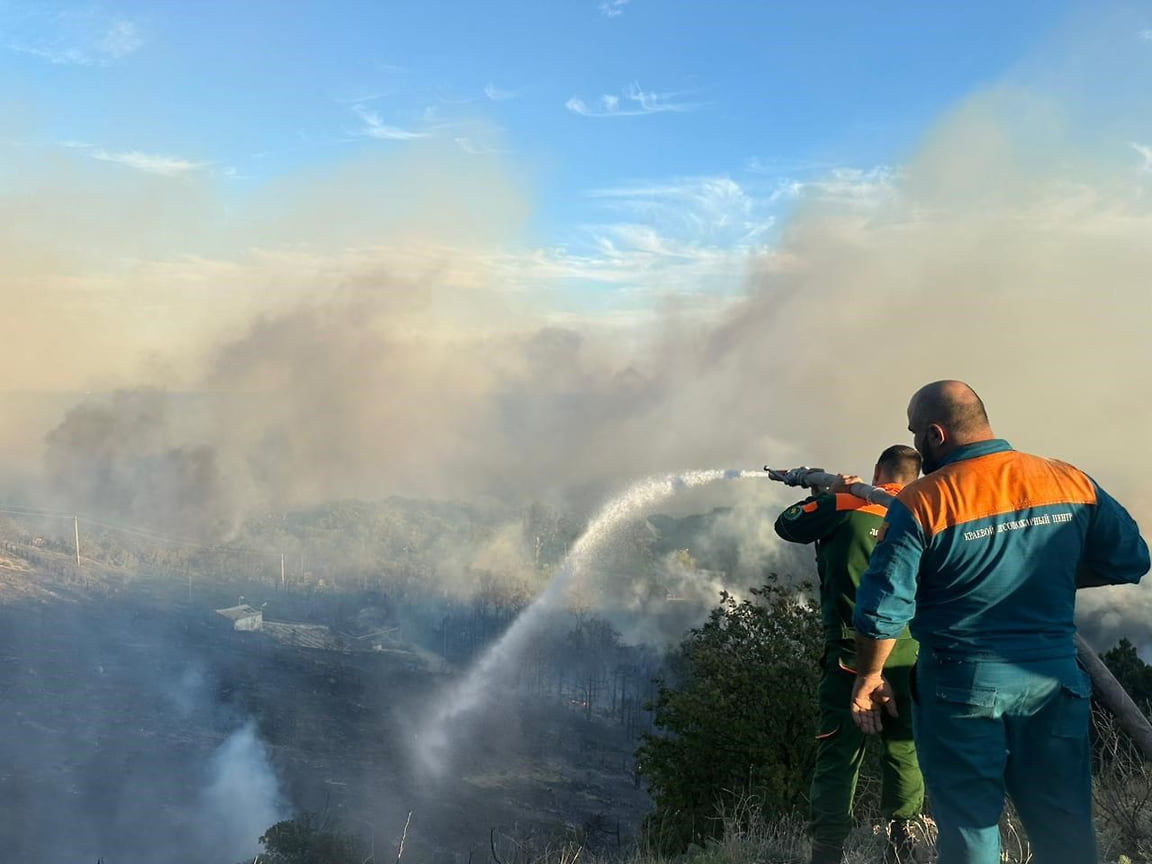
pixel 435 738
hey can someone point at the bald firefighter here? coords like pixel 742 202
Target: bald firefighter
pixel 984 556
pixel 845 529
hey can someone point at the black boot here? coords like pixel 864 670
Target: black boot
pixel 904 847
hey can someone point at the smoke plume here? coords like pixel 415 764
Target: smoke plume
pixel 377 329
pixel 242 798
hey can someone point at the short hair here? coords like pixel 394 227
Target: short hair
pixel 953 405
pixel 900 462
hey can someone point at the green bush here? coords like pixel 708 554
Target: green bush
pixel 739 724
pixel 1134 674
pixel 309 840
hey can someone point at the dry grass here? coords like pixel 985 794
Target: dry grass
pixel 1122 787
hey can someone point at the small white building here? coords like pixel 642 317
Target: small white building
pixel 243 617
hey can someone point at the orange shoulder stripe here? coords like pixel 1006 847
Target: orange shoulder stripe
pixel 844 501
pixel 990 485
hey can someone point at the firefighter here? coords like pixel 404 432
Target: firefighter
pixel 983 556
pixel 844 529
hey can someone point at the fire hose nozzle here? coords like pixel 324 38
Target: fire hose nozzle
pixel 792 476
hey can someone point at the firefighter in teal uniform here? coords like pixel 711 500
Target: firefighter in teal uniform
pixel 983 556
pixel 844 529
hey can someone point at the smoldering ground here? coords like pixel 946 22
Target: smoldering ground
pixel 117 741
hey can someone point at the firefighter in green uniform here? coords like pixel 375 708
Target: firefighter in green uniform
pixel 845 529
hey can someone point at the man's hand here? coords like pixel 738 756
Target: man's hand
pixel 870 696
pixel 842 483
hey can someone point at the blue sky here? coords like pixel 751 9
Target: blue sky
pixel 670 89
pixel 677 130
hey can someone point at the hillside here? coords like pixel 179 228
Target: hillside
pixel 122 698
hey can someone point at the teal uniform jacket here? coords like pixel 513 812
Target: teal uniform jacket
pixel 984 555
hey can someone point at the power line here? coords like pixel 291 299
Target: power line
pixel 29 512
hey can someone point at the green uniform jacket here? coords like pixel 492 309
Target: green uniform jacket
pixel 845 529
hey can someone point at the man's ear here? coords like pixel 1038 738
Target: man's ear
pixel 936 434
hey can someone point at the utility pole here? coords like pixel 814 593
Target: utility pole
pixel 76 528
pixel 281 571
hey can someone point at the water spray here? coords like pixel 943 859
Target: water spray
pixel 1109 691
pixel 435 744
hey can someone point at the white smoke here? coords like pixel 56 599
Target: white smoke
pixel 242 798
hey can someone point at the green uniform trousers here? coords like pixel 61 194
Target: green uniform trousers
pixel 985 728
pixel 840 748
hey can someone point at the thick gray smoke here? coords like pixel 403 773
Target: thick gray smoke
pixel 113 457
pixel 351 346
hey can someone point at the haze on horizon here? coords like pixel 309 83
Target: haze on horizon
pixel 435 303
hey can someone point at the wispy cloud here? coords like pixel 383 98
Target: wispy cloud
pixel 692 238
pixel 612 8
pixel 476 147
pixel 85 37
pixel 497 95
pixel 357 99
pixel 793 180
pixel 375 127
pixel 633 102
pixel 151 163
pixel 1145 152
pixel 699 235
pixel 121 38
pixel 1145 34
pixel 786 167
pixel 710 210
pixel 634 264
pixel 848 186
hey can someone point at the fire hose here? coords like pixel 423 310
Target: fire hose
pixel 1109 691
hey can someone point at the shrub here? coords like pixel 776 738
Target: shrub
pixel 739 723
